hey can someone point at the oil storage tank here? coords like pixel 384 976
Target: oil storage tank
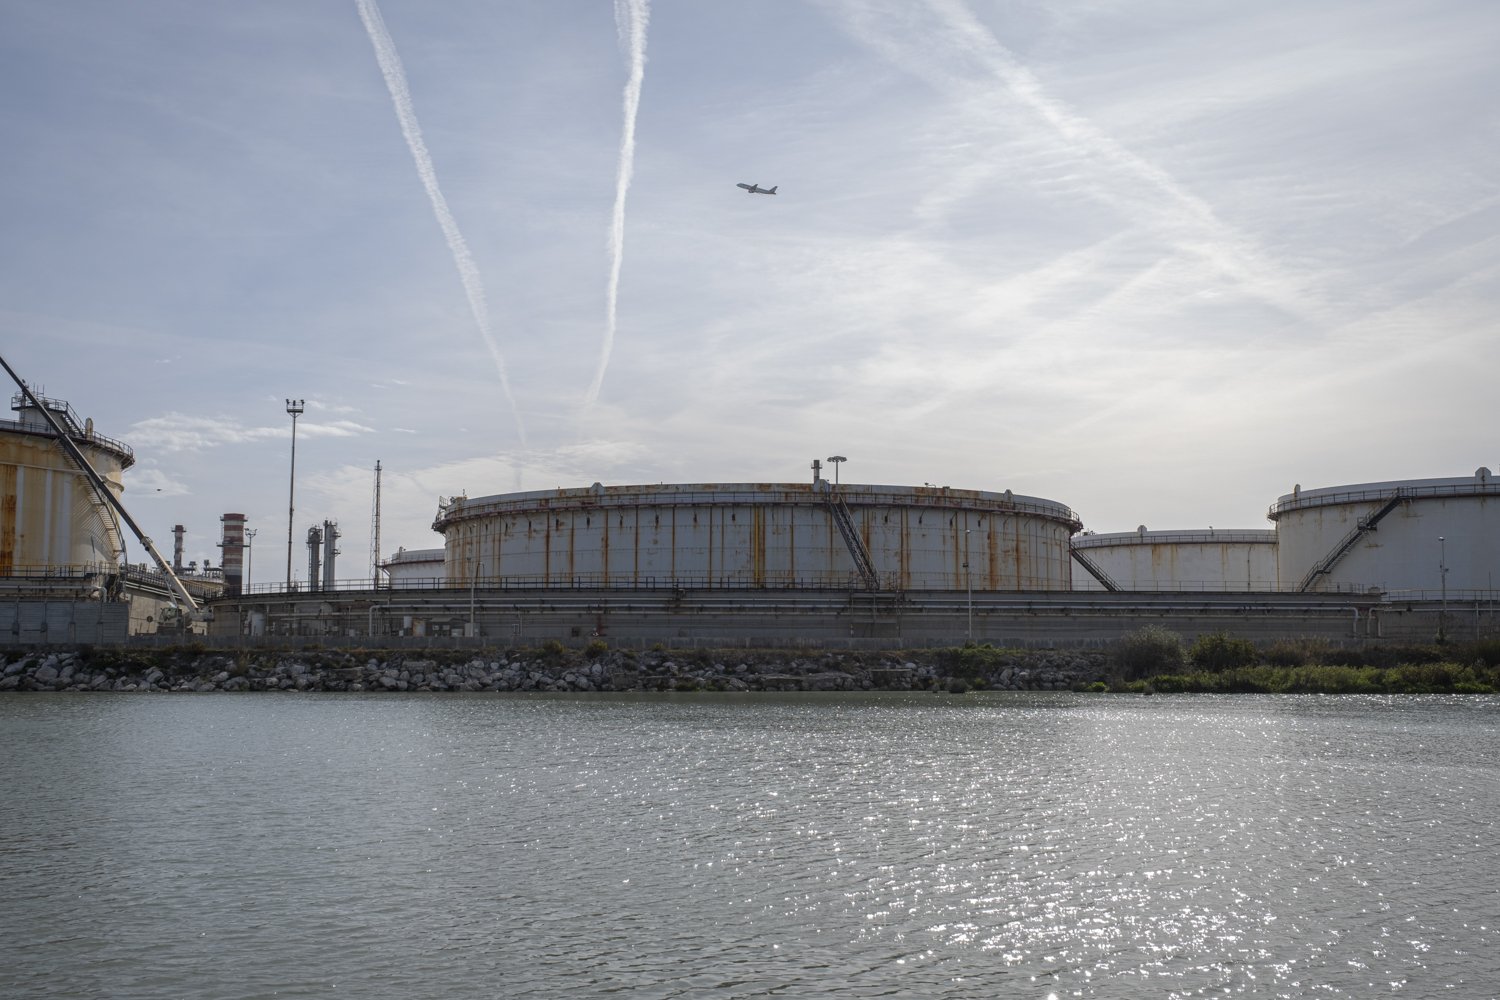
pixel 415 568
pixel 757 535
pixel 1208 560
pixel 50 517
pixel 1424 535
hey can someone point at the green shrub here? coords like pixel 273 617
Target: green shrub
pixel 1147 651
pixel 972 662
pixel 596 648
pixel 1484 652
pixel 1219 651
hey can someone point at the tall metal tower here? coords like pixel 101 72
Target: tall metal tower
pixel 375 532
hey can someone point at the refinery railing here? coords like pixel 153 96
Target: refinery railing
pixel 1318 498
pixel 1208 536
pixel 737 583
pixel 77 429
pixel 585 581
pixel 456 508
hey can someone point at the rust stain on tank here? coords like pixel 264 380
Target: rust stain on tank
pixel 546 546
pixel 758 545
pixel 8 522
pixel 991 556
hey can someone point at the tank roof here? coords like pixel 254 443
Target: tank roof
pixel 29 421
pixel 712 494
pixel 1205 536
pixel 1482 483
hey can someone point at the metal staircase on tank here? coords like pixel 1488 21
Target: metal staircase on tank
pixel 855 544
pixel 1093 570
pixel 1364 526
pixel 114 537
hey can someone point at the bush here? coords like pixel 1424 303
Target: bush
pixel 596 648
pixel 1147 651
pixel 1482 651
pixel 972 662
pixel 1219 651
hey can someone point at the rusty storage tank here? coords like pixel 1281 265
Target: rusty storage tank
pixel 415 568
pixel 753 535
pixel 1208 560
pixel 1425 535
pixel 50 517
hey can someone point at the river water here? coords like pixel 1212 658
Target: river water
pixel 725 846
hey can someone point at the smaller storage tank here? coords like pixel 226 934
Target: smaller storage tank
pixel 1427 536
pixel 1196 560
pixel 415 568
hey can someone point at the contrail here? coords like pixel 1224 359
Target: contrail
pixel 943 52
pixel 468 273
pixel 631 18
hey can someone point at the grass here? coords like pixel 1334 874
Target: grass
pixel 1405 678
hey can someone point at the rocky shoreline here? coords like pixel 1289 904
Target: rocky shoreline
pixel 548 669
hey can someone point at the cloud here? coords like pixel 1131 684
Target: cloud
pixel 944 44
pixel 172 432
pixel 152 482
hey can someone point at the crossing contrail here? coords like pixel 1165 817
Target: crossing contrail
pixel 631 18
pixel 468 273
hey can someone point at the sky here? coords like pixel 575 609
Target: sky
pixel 1157 261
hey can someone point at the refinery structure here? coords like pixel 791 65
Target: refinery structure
pixel 815 562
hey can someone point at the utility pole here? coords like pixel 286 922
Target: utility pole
pixel 249 556
pixel 293 407
pixel 969 587
pixel 375 533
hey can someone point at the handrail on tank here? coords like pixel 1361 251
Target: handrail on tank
pixel 78 433
pixel 465 508
pixel 1315 498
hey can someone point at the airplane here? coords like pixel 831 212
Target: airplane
pixel 757 189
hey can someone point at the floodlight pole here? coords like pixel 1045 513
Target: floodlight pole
pixel 249 558
pixel 293 407
pixel 1443 577
pixel 836 461
pixel 969 586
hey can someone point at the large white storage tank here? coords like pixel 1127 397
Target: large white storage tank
pixel 1197 560
pixel 50 517
pixel 1415 535
pixel 749 535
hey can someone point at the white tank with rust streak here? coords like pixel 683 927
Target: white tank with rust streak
pixel 50 518
pixel 1420 537
pixel 410 568
pixel 1198 560
pixel 748 535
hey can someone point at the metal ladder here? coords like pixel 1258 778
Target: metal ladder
pixel 1094 570
pixel 1364 526
pixel 855 544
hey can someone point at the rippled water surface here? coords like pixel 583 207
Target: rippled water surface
pixel 753 845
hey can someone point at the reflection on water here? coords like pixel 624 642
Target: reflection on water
pixel 750 845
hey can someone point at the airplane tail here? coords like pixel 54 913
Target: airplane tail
pixel 772 191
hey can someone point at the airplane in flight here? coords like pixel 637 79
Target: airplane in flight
pixel 757 189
